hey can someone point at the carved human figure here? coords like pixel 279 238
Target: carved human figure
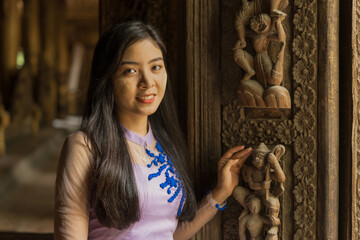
pixel 264 168
pixel 253 221
pixel 266 90
pixel 261 34
pixel 252 8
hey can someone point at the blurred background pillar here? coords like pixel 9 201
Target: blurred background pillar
pixel 47 85
pixel 11 30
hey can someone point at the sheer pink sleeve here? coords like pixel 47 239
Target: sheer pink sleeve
pixel 204 214
pixel 72 191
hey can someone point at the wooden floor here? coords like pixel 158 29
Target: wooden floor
pixel 27 177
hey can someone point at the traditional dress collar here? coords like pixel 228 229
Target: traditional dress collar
pixel 136 138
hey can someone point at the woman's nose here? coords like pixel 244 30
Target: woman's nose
pixel 147 80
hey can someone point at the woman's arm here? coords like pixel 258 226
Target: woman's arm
pixel 72 190
pixel 228 178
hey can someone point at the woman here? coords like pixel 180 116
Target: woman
pixel 123 175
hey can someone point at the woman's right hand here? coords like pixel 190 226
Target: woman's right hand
pixel 229 167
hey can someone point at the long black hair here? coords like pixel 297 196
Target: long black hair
pixel 114 192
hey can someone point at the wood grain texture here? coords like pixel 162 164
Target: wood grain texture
pixel 328 120
pixel 203 100
pixel 347 32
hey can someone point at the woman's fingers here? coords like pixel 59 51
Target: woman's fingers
pixel 231 163
pixel 237 152
pixel 231 151
pixel 242 154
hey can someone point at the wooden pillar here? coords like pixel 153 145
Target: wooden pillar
pixel 348 78
pixel 10 45
pixel 352 203
pixel 328 120
pixel 63 63
pixel 32 41
pixel 204 99
pixel 32 50
pixel 47 84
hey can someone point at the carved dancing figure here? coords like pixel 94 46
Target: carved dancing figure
pixel 250 9
pixel 266 91
pixel 264 168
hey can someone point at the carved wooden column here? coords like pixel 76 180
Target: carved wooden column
pixel 23 107
pixel 203 101
pixel 32 41
pixel 47 84
pixel 328 119
pixel 63 61
pixel 350 121
pixel 10 45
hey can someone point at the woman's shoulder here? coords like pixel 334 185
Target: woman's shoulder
pixel 76 149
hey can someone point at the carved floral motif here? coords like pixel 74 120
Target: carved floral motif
pixel 304 217
pixel 250 132
pixel 304 20
pixel 304 72
pixel 304 193
pixel 304 45
pixel 304 169
pixel 304 97
pixel 304 145
pixel 301 235
pixel 267 130
pixel 304 121
pixel 285 132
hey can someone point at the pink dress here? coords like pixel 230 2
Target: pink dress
pixel 160 195
pixel 157 215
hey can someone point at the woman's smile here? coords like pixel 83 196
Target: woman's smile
pixel 150 98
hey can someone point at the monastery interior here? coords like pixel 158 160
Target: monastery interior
pixel 45 55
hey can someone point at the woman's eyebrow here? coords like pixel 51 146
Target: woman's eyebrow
pixel 136 63
pixel 156 59
pixel 129 62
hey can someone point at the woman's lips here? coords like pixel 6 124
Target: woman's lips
pixel 146 98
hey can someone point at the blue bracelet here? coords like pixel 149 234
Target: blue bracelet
pixel 217 205
pixel 222 207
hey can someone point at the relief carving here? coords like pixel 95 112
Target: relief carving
pixel 261 202
pixel 261 21
pixel 304 72
pixel 356 126
pixel 297 130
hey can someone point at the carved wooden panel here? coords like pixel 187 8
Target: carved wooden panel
pixel 295 128
pixel 355 190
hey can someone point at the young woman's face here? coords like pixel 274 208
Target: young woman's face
pixel 140 82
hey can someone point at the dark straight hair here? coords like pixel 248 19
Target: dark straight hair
pixel 114 193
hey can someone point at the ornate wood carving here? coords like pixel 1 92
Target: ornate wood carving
pixel 261 22
pixel 260 202
pixel 293 128
pixel 355 214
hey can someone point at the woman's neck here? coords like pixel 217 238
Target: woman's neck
pixel 138 125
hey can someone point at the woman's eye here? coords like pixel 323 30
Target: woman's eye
pixel 129 71
pixel 156 67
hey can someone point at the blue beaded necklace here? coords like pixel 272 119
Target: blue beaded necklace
pixel 166 166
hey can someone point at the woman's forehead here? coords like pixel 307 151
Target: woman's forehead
pixel 145 48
